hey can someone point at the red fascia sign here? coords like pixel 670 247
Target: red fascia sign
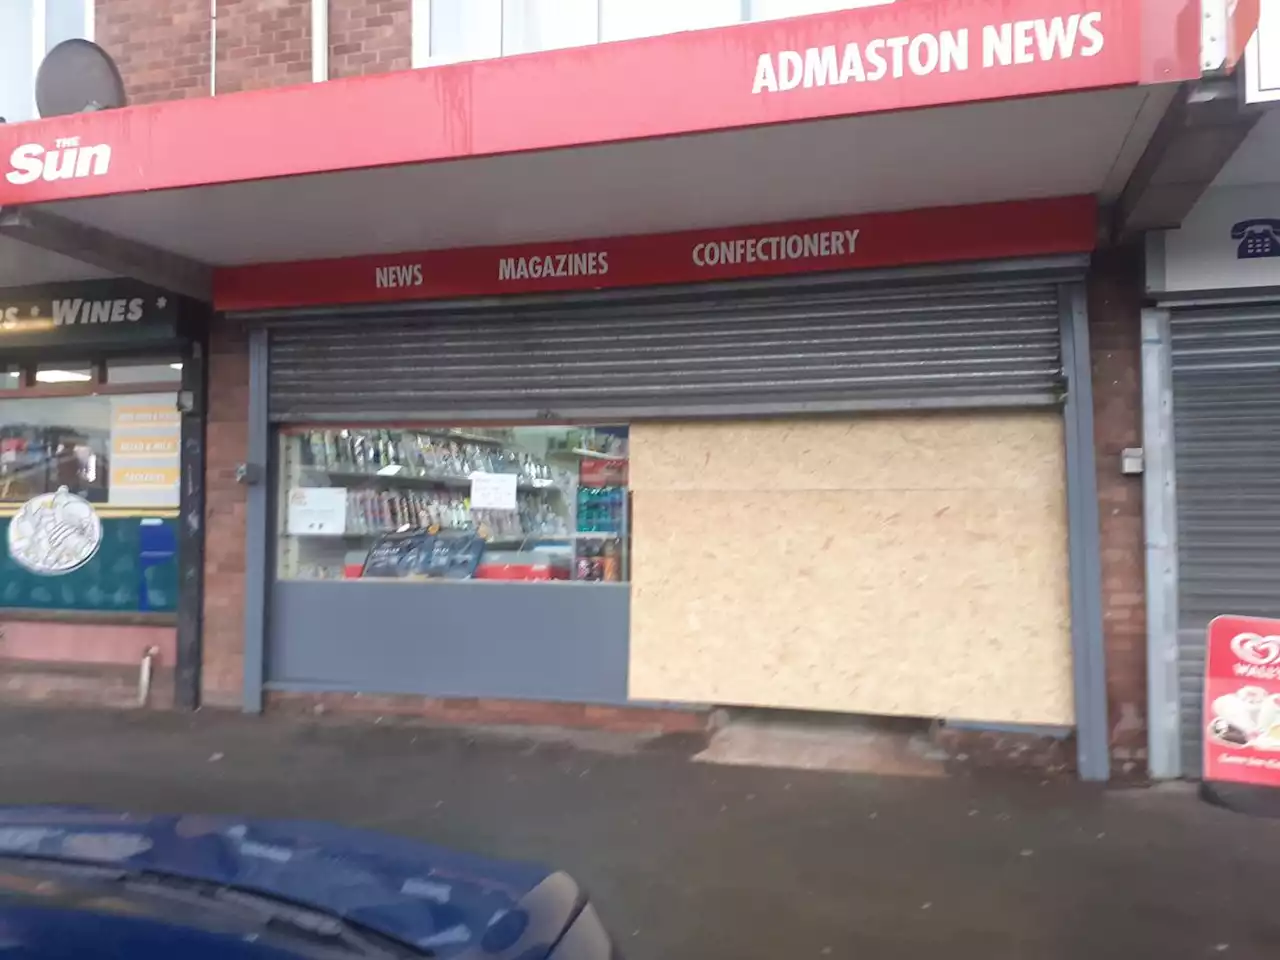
pixel 903 55
pixel 944 235
pixel 1242 702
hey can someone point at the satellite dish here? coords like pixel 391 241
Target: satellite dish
pixel 77 76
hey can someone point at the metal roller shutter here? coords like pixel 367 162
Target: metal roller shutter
pixel 1226 426
pixel 769 348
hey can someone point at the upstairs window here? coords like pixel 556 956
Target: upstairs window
pixel 28 30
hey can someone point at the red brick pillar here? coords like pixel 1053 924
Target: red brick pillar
pixel 226 446
pixel 1115 336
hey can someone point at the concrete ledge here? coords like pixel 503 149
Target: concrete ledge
pixel 482 712
pixel 57 683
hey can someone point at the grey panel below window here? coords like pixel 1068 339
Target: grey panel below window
pixel 519 641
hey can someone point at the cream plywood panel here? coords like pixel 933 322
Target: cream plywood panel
pixel 933 583
pixel 939 452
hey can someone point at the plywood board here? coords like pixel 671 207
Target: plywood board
pixel 934 583
pixel 937 452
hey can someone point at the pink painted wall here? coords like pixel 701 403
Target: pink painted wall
pixel 85 642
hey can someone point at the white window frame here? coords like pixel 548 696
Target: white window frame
pixel 39 36
pixel 420 26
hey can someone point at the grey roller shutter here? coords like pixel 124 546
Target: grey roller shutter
pixel 1226 424
pixel 769 348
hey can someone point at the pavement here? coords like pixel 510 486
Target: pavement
pixel 695 860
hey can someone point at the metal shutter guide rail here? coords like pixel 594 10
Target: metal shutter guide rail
pixel 776 348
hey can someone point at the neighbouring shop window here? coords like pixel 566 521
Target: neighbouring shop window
pixel 160 370
pixel 121 454
pixel 119 451
pixel 519 503
pixel 64 373
pixel 10 377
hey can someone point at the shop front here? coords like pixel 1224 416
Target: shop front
pixel 1211 379
pixel 98 422
pixel 769 387
pixel 827 477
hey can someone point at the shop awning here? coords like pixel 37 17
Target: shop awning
pixel 915 105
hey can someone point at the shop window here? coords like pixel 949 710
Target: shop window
pixel 111 450
pixel 63 374
pixel 28 30
pixel 158 370
pixel 518 503
pixel 10 377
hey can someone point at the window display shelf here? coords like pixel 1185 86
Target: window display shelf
pixel 343 491
pixel 404 478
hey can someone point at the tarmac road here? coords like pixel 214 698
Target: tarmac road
pixel 689 860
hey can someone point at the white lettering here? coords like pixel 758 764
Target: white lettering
pixel 1091 30
pixel 766 78
pixel 997 45
pixel 875 56
pixel 135 310
pixel 64 312
pixel 8 318
pixel 923 54
pixel 898 45
pixel 1057 35
pixel 93 161
pixel 820 67
pixel 99 311
pixel 955 50
pixel 26 164
pixel 852 236
pixel 67 161
pixel 698 261
pixel 554 265
pixel 851 64
pixel 790 70
pixel 1023 41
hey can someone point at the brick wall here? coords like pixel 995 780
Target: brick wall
pixel 226 446
pixel 369 36
pixel 263 43
pixel 162 49
pixel 1115 305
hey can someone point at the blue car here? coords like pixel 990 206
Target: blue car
pixel 80 883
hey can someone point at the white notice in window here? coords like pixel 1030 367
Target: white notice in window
pixel 319 511
pixel 493 491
